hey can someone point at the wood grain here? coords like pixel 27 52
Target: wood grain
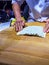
pixel 24 50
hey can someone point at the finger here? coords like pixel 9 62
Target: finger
pixel 47 30
pixel 47 21
pixel 16 27
pixel 20 26
pixel 23 23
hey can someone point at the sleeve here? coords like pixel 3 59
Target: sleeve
pixel 14 1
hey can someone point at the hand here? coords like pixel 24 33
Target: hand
pixel 46 28
pixel 19 25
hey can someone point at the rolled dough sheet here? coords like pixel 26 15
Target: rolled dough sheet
pixel 32 30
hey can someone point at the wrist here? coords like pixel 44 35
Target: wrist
pixel 18 19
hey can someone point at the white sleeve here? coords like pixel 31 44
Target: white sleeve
pixel 14 1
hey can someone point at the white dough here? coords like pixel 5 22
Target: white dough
pixel 32 30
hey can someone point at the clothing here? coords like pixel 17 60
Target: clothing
pixel 39 8
pixel 20 2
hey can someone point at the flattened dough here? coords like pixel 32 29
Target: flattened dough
pixel 32 30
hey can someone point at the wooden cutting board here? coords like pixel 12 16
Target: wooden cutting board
pixel 24 50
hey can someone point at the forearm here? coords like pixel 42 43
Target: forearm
pixel 16 10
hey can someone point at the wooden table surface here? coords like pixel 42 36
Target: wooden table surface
pixel 24 50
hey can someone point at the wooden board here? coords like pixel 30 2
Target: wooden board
pixel 23 50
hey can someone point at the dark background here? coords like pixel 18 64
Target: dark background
pixel 5 2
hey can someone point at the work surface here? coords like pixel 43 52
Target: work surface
pixel 24 50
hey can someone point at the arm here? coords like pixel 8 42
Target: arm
pixel 16 10
pixel 20 23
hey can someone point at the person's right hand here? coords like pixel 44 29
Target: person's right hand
pixel 19 25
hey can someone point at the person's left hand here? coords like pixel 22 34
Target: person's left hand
pixel 46 28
